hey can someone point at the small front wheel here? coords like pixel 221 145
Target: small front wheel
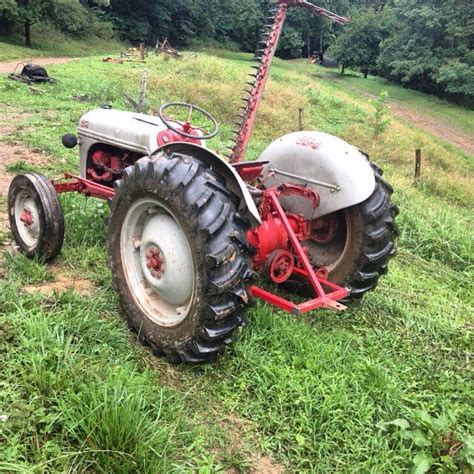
pixel 36 217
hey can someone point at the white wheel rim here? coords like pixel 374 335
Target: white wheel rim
pixel 27 219
pixel 157 262
pixel 341 254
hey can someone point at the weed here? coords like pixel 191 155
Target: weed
pixel 436 440
pixel 21 166
pixel 380 121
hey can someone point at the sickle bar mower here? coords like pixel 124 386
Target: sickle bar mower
pixel 190 232
pixel 264 56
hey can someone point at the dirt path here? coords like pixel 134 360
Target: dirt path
pixel 437 127
pixel 8 66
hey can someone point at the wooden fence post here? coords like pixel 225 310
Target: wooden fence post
pixel 301 119
pixel 142 51
pixel 417 166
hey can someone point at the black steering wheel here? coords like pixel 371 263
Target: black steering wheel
pixel 187 127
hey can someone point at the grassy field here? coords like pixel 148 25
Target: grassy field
pixel 429 105
pixel 51 43
pixel 384 387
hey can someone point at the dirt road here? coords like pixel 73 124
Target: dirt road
pixel 434 125
pixel 8 66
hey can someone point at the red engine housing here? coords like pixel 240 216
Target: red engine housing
pixel 105 165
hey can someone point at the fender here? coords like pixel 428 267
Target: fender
pixel 234 182
pixel 324 158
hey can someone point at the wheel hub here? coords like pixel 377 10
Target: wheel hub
pixel 27 217
pixel 324 230
pixel 155 261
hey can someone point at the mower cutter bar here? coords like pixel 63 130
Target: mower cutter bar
pixel 341 20
pixel 264 56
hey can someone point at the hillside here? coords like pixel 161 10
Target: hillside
pixel 52 43
pixel 383 387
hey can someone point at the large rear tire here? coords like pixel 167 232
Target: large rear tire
pixel 179 257
pixel 361 242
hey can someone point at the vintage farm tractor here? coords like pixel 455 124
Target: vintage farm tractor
pixel 192 235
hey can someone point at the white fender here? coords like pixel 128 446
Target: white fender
pixel 324 158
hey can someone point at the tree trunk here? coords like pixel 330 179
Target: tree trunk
pixel 28 33
pixel 343 70
pixel 366 73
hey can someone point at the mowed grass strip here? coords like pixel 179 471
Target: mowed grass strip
pixel 52 43
pixel 383 387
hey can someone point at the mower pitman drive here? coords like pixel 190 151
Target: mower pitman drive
pixel 191 233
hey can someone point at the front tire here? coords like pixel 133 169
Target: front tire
pixel 36 217
pixel 179 257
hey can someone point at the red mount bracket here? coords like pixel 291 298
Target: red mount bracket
pixel 83 186
pixel 327 294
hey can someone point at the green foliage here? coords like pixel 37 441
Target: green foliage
pixel 457 77
pixel 358 43
pixel 437 442
pixel 69 16
pixel 8 9
pixel 380 120
pixel 20 166
pixel 428 46
pixel 53 43
pixel 423 44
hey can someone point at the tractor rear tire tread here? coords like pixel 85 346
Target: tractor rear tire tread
pixel 197 196
pixel 378 246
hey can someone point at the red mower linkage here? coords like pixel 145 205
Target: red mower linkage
pixel 190 232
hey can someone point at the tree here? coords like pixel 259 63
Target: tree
pixel 457 78
pixel 358 44
pixel 8 14
pixel 429 46
pixel 68 15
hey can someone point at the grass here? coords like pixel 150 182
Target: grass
pixel 384 387
pixel 52 43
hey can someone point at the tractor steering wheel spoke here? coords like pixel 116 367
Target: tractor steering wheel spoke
pixel 186 128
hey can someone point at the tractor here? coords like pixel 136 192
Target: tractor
pixel 194 237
